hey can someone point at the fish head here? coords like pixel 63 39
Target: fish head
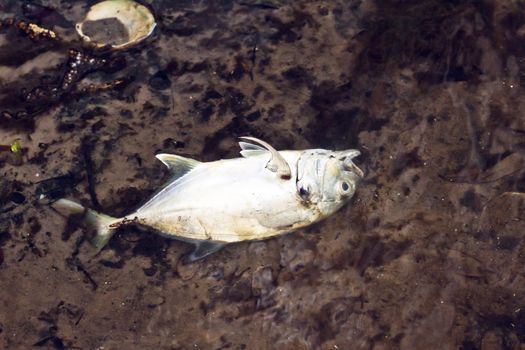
pixel 327 179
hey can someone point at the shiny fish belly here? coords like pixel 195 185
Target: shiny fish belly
pixel 218 226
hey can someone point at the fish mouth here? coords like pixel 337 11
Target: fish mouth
pixel 357 171
pixel 349 165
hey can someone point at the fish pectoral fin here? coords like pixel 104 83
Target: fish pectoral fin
pixel 203 249
pixel 277 163
pixel 177 165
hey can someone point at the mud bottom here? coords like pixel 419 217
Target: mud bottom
pixel 429 254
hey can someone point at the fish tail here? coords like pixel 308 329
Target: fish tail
pixel 103 225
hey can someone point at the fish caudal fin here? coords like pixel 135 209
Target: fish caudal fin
pixel 103 225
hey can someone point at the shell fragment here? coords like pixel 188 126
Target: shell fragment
pixel 117 23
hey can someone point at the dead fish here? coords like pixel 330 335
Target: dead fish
pixel 262 194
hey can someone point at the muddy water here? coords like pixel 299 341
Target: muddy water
pixel 429 254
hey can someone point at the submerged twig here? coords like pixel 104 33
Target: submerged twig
pixel 33 31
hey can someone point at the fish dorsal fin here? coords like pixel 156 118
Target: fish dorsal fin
pixel 177 165
pixel 251 150
pixel 277 163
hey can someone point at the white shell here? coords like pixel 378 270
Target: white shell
pixel 136 18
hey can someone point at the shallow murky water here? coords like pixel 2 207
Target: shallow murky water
pixel 429 254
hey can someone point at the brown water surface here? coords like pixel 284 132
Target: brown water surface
pixel 430 254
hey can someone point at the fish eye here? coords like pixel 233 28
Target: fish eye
pixel 345 188
pixel 304 193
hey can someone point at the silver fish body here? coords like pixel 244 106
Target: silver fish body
pixel 262 194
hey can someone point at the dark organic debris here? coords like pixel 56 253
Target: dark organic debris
pixel 80 64
pixel 260 5
pixel 51 318
pixel 186 25
pixel 56 341
pixel 86 149
pixel 251 117
pixel 472 201
pixel 253 59
pixel 45 15
pixel 17 198
pixel 11 195
pixel 33 31
pixel 504 166
pixel 76 264
pixel 405 161
pixel 40 98
pixel 113 264
pixel 160 81
pixel 150 271
pixel 57 187
pixel 212 94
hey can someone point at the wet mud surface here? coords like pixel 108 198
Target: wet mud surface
pixel 429 254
